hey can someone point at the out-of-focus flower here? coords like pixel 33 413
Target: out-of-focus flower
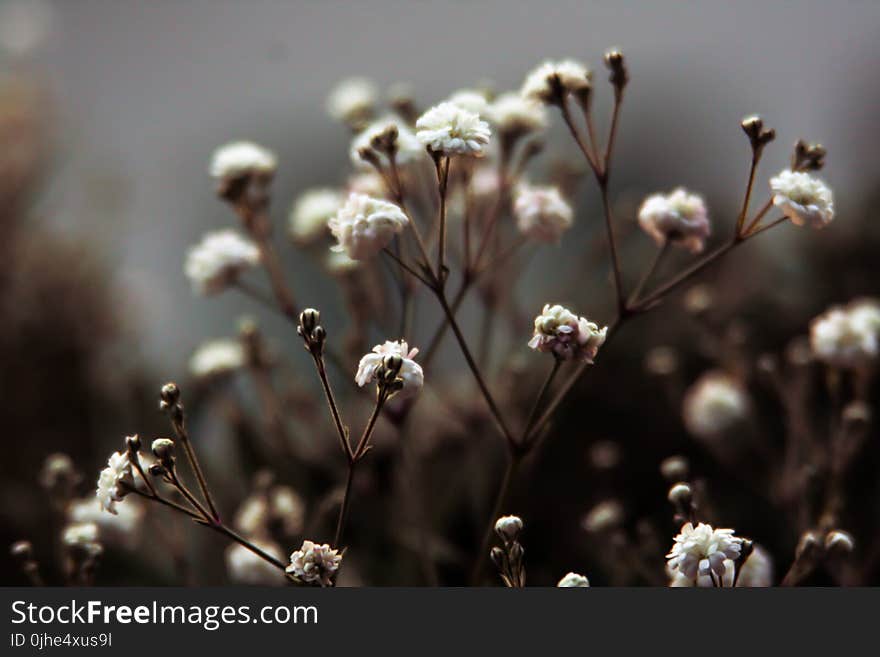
pixel 408 148
pixel 217 357
pixel 311 212
pixel 561 332
pixel 713 404
pixel 122 527
pixel 837 540
pixel 113 480
pixel 365 225
pixel 803 198
pixel 848 336
pixel 411 372
pixel 470 100
pixel 452 130
pixel 573 580
pixel 606 515
pixel 543 83
pixel 277 508
pixel 353 101
pixel 541 213
pixel 246 567
pixel 242 158
pixel 367 182
pixel 679 218
pixel 675 468
pixel 314 564
pixel 213 264
pixel 512 114
pixel 702 550
pixel 508 528
pixel 339 264
pixel 83 536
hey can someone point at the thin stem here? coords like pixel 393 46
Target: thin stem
pixel 272 265
pixel 180 486
pixel 510 470
pixel 649 272
pixel 612 131
pixel 542 393
pixel 183 435
pixel 437 339
pixel 405 266
pixel 758 216
pixel 343 509
pixel 756 156
pixel 229 533
pixel 341 431
pixel 165 502
pixel 566 116
pixel 612 244
pixel 443 182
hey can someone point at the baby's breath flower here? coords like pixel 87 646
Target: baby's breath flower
pixel 678 217
pixel 545 83
pixel 242 158
pixel 82 536
pixel 847 337
pixel 573 580
pixel 311 212
pixel 246 567
pixel 411 372
pixel 702 550
pixel 714 404
pixel 352 101
pixel 449 129
pixel 756 572
pixel 541 213
pixel 113 481
pixel 606 515
pixel 214 263
pixel 365 225
pixel 314 564
pixel 217 357
pixel 470 100
pixel 561 332
pixel 803 198
pixel 514 115
pixel 408 148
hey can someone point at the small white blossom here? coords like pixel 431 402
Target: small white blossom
pixel 80 534
pixel 452 130
pixel 714 404
pixel 515 115
pixel 410 371
pixel 508 527
pixel 573 580
pixel 561 332
pixel 803 198
pixel 352 101
pixel 702 550
pixel 470 100
pixel 242 158
pixel 572 76
pixel 315 564
pixel 756 572
pixel 113 480
pixel 214 263
pixel 365 225
pixel 847 337
pixel 409 149
pixel 246 567
pixel 311 212
pixel 606 515
pixel 541 213
pixel 678 217
pixel 217 357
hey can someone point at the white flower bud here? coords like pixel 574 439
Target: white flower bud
pixel 311 212
pixel 449 129
pixel 508 528
pixel 216 262
pixel 573 580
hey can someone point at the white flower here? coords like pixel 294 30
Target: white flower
pixel 756 572
pixel 561 332
pixel 508 528
pixel 311 212
pixel 113 480
pixel 470 100
pixel 513 114
pixel 365 225
pixel 540 84
pixel 803 198
pixel 314 563
pixel 80 534
pixel 573 580
pixel 352 101
pixel 280 507
pixel 411 372
pixel 702 550
pixel 714 404
pixel 242 158
pixel 541 213
pixel 123 527
pixel 847 337
pixel 217 357
pixel 604 516
pixel 678 217
pixel 214 263
pixel 452 130
pixel 246 567
pixel 409 149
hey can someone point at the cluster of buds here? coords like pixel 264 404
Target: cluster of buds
pixel 758 135
pixel 509 557
pixel 388 377
pixel 807 156
pixel 170 404
pixel 311 331
pixel 619 74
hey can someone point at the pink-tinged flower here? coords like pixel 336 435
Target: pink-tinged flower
pixel 564 334
pixel 410 371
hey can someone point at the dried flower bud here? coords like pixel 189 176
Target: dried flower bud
pixel 675 468
pixel 839 541
pixel 309 319
pixel 759 136
pixel 808 547
pixel 809 156
pixel 163 449
pixel 170 394
pixel 133 443
pixel 661 361
pixel 508 528
pixel 616 63
pixel 681 495
pixel 498 557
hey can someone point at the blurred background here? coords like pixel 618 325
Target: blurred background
pixel 111 110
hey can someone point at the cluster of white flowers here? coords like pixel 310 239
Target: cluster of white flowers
pixel 452 130
pixel 541 213
pixel 310 213
pixel 701 550
pixel 471 100
pixel 561 332
pixel 573 580
pixel 365 225
pixel 213 264
pixel 513 114
pixel 246 567
pixel 352 101
pixel 217 357
pixel 756 572
pixel 678 217
pixel 315 564
pixel 540 85
pixel 714 404
pixel 113 480
pixel 848 336
pixel 410 371
pixel 803 198
pixel 242 158
pixel 409 149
